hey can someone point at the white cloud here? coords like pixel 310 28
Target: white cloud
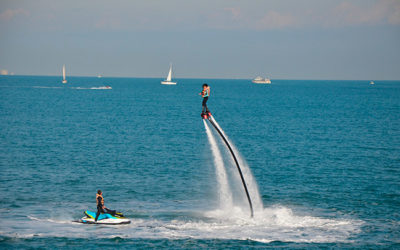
pixel 275 20
pixel 343 13
pixel 207 14
pixel 394 15
pixel 111 23
pixel 237 18
pixel 235 12
pixel 347 13
pixel 10 14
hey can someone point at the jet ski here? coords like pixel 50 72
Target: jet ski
pixel 107 219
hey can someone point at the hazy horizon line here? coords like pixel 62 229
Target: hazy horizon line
pixel 200 78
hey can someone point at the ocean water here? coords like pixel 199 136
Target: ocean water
pixel 321 159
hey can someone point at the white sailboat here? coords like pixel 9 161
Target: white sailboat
pixel 169 77
pixel 63 72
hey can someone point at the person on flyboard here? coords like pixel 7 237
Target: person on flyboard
pixel 205 93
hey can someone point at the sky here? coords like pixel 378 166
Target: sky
pixel 281 39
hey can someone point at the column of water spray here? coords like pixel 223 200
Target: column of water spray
pixel 251 182
pixel 224 192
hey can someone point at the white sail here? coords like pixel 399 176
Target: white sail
pixel 169 78
pixel 63 72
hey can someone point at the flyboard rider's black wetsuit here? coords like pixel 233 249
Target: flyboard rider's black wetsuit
pixel 100 205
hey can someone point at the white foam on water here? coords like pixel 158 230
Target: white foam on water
pixel 97 88
pixel 51 220
pixel 277 223
pixel 101 87
pixel 46 87
pixel 272 224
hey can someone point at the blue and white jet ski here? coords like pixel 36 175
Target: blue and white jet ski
pixel 106 219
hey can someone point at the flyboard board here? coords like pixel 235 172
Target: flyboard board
pixel 105 219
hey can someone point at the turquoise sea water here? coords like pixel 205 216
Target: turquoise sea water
pixel 325 156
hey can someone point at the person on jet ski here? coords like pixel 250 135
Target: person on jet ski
pixel 205 94
pixel 101 208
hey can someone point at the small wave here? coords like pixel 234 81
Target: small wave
pixel 78 88
pixel 51 220
pixel 101 87
pixel 46 87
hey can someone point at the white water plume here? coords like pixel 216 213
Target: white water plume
pixel 248 176
pixel 225 195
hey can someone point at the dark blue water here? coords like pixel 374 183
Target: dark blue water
pixel 325 156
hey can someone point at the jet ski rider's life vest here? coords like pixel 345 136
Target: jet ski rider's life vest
pixel 99 200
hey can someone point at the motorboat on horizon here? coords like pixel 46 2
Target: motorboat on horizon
pixel 261 80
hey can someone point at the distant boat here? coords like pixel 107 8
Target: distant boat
pixel 259 79
pixel 99 76
pixel 371 82
pixel 63 72
pixel 169 77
